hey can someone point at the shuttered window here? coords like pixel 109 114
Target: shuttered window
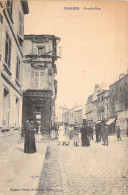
pixel 39 79
pixel 21 25
pixel 8 50
pixel 18 69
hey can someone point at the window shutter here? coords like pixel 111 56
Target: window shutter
pixel 36 79
pixel 21 25
pixel 41 79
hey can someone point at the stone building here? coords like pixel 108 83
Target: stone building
pixel 103 105
pixel 65 117
pixel 11 54
pixel 79 112
pixel 71 116
pixel 39 84
pixel 91 107
pixel 118 103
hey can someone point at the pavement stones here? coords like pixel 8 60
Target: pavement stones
pixel 94 170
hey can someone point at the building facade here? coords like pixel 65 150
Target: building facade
pixel 71 116
pixel 39 84
pixel 91 107
pixel 11 55
pixel 103 105
pixel 118 102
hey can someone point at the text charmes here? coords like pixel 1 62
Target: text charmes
pixel 71 8
pixel 82 8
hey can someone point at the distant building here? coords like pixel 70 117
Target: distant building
pixel 103 105
pixel 65 117
pixel 39 84
pixel 79 114
pixel 91 107
pixel 75 115
pixel 11 56
pixel 118 103
pixel 71 116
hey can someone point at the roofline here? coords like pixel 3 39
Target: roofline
pixel 31 36
pixel 102 92
pixel 119 80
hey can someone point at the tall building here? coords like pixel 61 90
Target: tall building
pixel 11 54
pixel 39 84
pixel 91 107
pixel 118 103
pixel 103 105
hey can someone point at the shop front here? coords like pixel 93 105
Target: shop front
pixel 37 104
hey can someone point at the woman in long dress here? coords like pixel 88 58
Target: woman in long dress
pixel 67 133
pixel 29 145
pixel 76 136
pixel 61 135
pixel 84 136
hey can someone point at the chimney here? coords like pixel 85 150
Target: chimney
pixel 121 76
pixel 96 88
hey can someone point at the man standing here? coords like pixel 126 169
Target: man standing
pixel 106 132
pixel 118 133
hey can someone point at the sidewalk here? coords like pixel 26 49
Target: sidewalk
pixel 20 172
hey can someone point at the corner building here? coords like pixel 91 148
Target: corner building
pixel 39 84
pixel 11 54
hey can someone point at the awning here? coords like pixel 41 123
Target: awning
pixel 109 122
pixel 99 122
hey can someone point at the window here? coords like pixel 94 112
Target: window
pixel 21 25
pixel 18 69
pixel 39 79
pixel 9 6
pixel 8 50
pixel 6 106
pixel 41 50
pixel 117 105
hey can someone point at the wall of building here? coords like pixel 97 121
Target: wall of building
pixel 10 118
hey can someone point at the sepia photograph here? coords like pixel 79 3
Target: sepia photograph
pixel 63 97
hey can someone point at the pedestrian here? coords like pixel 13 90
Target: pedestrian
pixel 84 136
pixel 38 132
pixel 53 131
pixel 97 133
pixel 102 132
pixel 106 133
pixel 76 135
pixel 90 133
pixel 29 145
pixel 67 133
pixel 61 134
pixel 118 133
pixel 71 130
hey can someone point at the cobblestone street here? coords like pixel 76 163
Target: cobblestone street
pixel 98 169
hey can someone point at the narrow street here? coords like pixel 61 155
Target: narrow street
pixel 98 169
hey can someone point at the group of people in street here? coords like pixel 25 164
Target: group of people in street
pixel 102 132
pixel 65 133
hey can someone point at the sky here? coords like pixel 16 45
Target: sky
pixel 94 45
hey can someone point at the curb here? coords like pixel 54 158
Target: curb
pixel 38 172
